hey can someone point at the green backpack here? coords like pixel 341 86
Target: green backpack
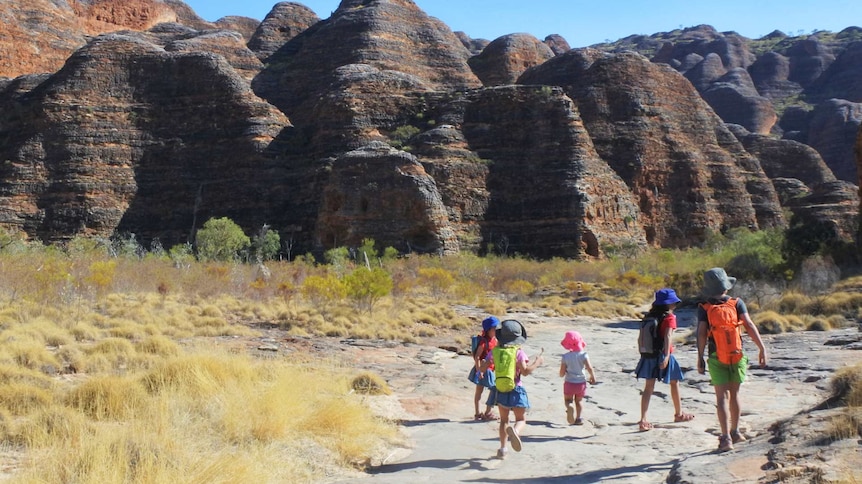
pixel 505 363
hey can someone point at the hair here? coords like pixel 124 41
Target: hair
pixel 658 310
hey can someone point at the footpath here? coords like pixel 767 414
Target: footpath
pixel 433 400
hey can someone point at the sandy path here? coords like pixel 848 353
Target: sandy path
pixel 450 447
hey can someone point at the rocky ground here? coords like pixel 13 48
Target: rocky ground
pixel 433 400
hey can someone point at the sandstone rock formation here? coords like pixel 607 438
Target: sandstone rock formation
pixel 285 21
pixel 799 76
pixel 120 140
pixel 507 57
pixel 475 46
pixel 384 34
pixel 689 174
pixel 557 43
pixel 39 35
pixel 735 99
pixel 832 131
pixel 410 216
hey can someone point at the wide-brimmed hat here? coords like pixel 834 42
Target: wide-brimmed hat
pixel 573 341
pixel 666 296
pixel 490 322
pixel 511 332
pixel 716 282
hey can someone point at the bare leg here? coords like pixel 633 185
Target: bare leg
pixel 649 386
pixel 476 398
pixel 721 406
pixel 674 395
pixel 504 421
pixel 520 419
pixel 578 407
pixel 735 409
pixel 570 411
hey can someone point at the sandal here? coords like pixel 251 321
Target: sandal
pixel 579 421
pixel 479 416
pixel 724 443
pixel 737 437
pixel 643 425
pixel 683 417
pixel 490 417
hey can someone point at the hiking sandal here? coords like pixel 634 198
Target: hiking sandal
pixel 725 443
pixel 683 417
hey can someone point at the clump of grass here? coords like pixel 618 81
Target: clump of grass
pixel 847 385
pixel 367 383
pixel 52 425
pixel 108 397
pixel 158 345
pixel 197 374
pixel 847 389
pixel 22 398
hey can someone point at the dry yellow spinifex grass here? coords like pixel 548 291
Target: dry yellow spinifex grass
pixel 113 369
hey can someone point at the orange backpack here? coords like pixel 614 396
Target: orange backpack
pixel 724 330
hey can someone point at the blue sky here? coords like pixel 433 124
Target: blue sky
pixel 584 23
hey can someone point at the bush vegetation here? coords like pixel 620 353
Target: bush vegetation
pixel 112 354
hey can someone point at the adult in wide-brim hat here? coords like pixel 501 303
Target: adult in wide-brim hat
pixel 716 282
pixel 511 333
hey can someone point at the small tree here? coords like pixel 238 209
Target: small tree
pixel 338 257
pixel 265 244
pixel 220 239
pixel 368 286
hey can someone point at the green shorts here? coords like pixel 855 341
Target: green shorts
pixel 721 374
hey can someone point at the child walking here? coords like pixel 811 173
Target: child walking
pixel 572 368
pixel 511 364
pixel 487 341
pixel 662 365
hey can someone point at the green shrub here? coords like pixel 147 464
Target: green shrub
pixel 368 286
pixel 221 239
pixel 265 244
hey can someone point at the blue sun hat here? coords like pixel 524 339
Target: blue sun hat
pixel 665 297
pixel 490 322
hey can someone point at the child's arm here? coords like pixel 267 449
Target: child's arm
pixel 526 369
pixel 589 368
pixel 562 368
pixel 484 364
pixel 665 350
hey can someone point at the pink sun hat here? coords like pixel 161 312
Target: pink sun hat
pixel 573 341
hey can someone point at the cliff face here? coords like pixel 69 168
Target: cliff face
pixel 374 123
pixel 803 88
pixel 39 35
pixel 688 173
pixel 131 137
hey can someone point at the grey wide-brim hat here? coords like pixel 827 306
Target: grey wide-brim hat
pixel 511 332
pixel 716 282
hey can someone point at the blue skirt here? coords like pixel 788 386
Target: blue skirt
pixel 487 380
pixel 515 398
pixel 649 367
